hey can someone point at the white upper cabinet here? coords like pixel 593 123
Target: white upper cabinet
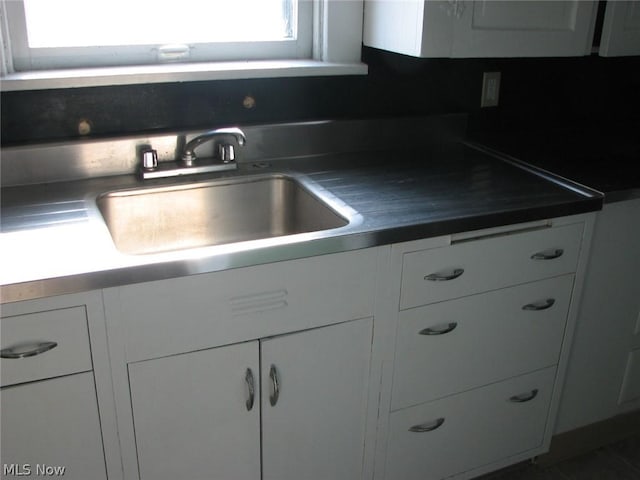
pixel 621 29
pixel 481 28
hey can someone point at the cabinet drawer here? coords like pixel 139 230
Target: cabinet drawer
pixel 469 430
pixel 475 266
pixel 461 344
pixel 201 311
pixel 44 345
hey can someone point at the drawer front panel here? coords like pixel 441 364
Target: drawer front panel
pixel 468 430
pixel 202 311
pixel 475 266
pixel 479 339
pixel 44 345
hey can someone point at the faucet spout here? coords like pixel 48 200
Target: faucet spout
pixel 188 153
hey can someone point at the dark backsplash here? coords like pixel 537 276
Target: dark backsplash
pixel 535 94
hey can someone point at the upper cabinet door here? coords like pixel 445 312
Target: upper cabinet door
pixel 524 29
pixel 480 28
pixel 621 29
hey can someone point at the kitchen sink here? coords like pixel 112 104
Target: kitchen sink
pixel 158 219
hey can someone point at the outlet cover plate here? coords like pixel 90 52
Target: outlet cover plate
pixel 490 89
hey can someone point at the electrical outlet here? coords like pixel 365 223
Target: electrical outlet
pixel 490 89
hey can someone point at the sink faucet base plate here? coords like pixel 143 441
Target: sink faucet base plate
pixel 170 169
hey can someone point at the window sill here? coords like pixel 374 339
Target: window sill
pixel 94 77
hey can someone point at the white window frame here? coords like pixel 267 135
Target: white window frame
pixel 335 50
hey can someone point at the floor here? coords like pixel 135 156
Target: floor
pixel 619 461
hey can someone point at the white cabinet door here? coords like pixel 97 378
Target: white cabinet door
pixel 621 29
pixel 314 426
pixel 481 28
pixel 192 414
pixel 524 29
pixel 607 320
pixel 53 429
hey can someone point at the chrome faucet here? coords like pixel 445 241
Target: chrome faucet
pixel 223 159
pixel 226 153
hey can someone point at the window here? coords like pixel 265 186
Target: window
pixel 46 34
pixel 105 42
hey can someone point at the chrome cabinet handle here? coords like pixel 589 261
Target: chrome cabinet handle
pixel 27 350
pixel 248 378
pixel 524 397
pixel 443 277
pixel 439 329
pixel 543 305
pixel 548 254
pixel 427 427
pixel 275 394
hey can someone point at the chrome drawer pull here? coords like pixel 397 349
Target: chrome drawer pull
pixel 248 378
pixel 543 305
pixel 427 427
pixel 273 375
pixel 27 350
pixel 548 254
pixel 524 397
pixel 443 277
pixel 439 329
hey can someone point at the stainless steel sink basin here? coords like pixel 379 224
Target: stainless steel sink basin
pixel 158 219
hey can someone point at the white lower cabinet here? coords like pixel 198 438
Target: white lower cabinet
pixel 602 375
pixel 285 407
pixel 448 347
pixel 314 427
pixel 259 372
pixel 56 397
pixel 483 322
pixel 465 431
pixel 191 417
pixel 51 428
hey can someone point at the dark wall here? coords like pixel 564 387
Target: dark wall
pixel 534 93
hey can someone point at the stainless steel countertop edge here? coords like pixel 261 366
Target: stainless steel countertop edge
pixel 305 248
pixel 290 250
pixel 608 197
pixel 398 207
pixel 541 172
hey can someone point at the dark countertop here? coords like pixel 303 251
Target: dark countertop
pixel 605 158
pixel 398 196
pixel 447 193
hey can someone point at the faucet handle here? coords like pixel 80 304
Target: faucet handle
pixel 149 159
pixel 226 152
pixel 188 152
